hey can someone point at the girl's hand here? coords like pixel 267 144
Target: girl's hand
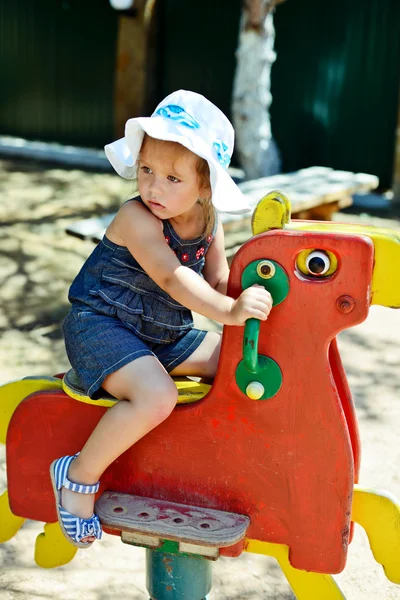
pixel 253 303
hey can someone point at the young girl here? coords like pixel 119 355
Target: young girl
pixel 130 326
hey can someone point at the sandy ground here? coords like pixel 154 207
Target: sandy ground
pixel 37 263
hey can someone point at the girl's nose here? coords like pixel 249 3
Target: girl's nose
pixel 155 187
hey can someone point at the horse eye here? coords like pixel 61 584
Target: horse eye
pixel 318 262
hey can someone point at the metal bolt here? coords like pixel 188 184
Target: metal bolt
pixel 345 304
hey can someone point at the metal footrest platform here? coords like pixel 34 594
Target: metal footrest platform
pixel 148 522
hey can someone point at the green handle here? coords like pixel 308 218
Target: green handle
pixel 254 370
pixel 250 345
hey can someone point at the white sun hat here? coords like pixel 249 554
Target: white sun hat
pixel 193 121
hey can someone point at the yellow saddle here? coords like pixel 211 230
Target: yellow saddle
pixel 188 390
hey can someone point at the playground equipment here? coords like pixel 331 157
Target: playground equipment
pixel 265 460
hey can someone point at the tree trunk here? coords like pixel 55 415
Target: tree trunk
pixel 256 150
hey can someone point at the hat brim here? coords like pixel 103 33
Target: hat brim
pixel 123 155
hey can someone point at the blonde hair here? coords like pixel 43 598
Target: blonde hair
pixel 203 178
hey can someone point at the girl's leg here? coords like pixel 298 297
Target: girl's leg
pixel 147 396
pixel 204 360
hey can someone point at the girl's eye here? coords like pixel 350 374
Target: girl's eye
pixel 146 169
pixel 173 179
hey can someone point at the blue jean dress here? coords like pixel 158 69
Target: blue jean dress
pixel 119 313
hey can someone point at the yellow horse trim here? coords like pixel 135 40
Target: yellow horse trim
pixel 378 512
pixel 9 523
pixel 305 585
pixel 272 212
pixel 52 549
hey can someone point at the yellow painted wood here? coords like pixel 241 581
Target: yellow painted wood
pixel 188 391
pixel 305 585
pixel 378 512
pixel 385 285
pixel 52 549
pixel 9 523
pixel 12 393
pixel 272 212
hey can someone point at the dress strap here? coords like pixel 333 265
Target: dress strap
pixel 134 198
pixel 216 223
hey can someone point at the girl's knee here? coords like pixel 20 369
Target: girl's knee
pixel 165 403
pixel 157 403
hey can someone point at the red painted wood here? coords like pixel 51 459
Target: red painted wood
pixel 349 411
pixel 232 551
pixel 286 462
pixel 347 404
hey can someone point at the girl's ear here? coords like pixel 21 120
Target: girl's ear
pixel 205 192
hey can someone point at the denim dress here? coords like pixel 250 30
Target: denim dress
pixel 119 313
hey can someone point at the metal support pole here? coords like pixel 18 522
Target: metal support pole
pixel 177 576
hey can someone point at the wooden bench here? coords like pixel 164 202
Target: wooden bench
pixel 315 193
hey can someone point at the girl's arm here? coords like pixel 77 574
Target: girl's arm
pixel 141 232
pixel 216 269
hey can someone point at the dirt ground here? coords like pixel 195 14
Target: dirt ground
pixel 37 263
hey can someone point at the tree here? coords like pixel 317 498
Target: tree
pixel 257 151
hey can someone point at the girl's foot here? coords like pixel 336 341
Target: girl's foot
pixel 74 503
pixel 80 505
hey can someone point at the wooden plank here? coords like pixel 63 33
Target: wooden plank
pixel 324 212
pixel 310 187
pixel 90 229
pixel 198 549
pixel 140 539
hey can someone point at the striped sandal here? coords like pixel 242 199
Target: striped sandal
pixel 74 528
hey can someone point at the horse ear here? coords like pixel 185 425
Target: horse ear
pixel 272 212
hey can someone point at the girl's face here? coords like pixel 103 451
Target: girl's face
pixel 167 178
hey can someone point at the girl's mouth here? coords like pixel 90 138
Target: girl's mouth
pixel 155 204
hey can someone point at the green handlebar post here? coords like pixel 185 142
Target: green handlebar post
pixel 259 377
pixel 250 345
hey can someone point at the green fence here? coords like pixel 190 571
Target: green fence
pixel 197 48
pixel 57 61
pixel 335 84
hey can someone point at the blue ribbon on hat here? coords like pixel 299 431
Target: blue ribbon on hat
pixel 179 114
pixel 222 153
